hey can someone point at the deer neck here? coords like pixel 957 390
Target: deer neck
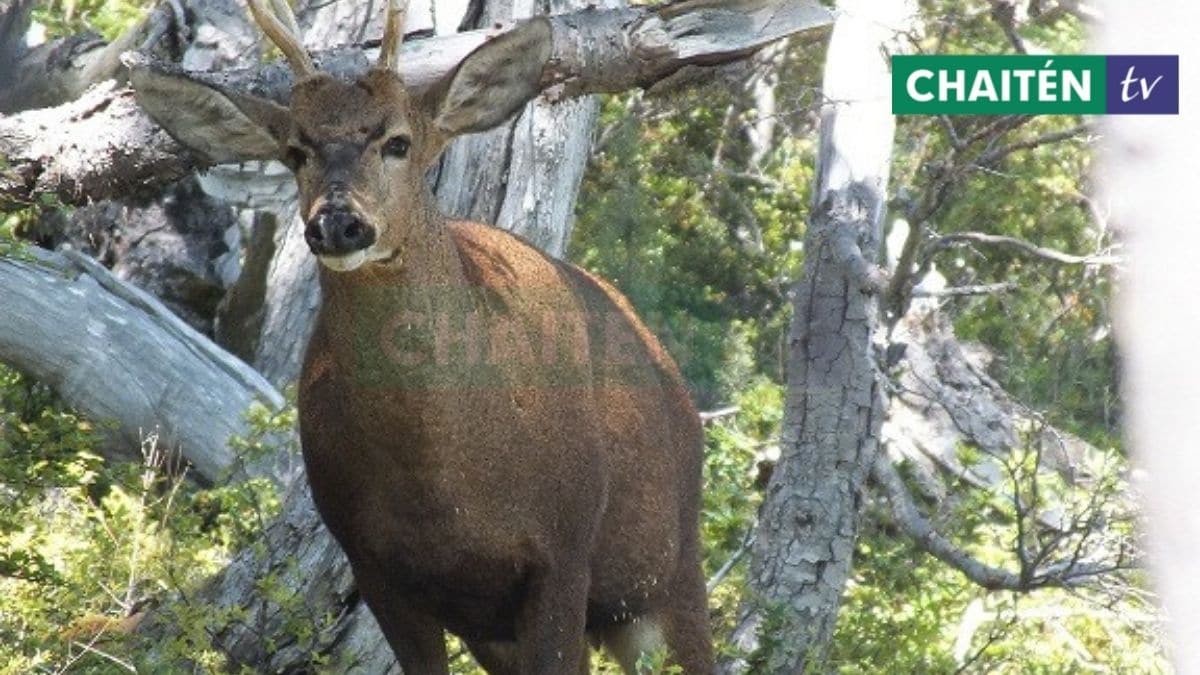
pixel 376 322
pixel 425 267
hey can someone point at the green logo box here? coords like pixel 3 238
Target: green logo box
pixel 998 85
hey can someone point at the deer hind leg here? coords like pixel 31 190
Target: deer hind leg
pixel 680 628
pixel 686 626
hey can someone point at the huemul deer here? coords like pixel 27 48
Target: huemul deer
pixel 499 444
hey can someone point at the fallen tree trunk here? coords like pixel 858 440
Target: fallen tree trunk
pixel 108 148
pixel 119 356
pixel 100 146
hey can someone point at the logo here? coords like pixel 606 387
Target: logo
pixel 443 338
pixel 1035 85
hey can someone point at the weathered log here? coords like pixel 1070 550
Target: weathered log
pixel 101 146
pixel 119 356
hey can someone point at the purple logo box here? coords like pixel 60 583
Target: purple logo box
pixel 1142 85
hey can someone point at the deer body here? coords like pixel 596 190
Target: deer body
pixel 495 439
pixel 466 501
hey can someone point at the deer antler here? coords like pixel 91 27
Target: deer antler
pixel 393 34
pixel 279 24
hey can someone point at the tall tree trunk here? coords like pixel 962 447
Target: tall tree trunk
pixel 808 523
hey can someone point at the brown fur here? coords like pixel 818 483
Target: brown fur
pixel 525 508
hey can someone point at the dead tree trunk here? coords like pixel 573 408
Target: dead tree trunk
pixel 808 522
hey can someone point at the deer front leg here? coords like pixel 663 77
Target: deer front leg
pixel 418 641
pixel 419 644
pixel 551 639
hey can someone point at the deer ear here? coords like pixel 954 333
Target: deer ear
pixel 223 125
pixel 496 80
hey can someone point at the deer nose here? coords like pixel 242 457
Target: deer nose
pixel 337 231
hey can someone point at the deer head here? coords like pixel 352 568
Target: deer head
pixel 359 149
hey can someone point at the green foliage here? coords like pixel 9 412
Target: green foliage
pixel 86 545
pixel 108 18
pixel 734 447
pixel 655 217
pixel 704 257
pixel 1051 336
pixel 906 612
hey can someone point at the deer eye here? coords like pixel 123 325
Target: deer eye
pixel 396 146
pixel 295 157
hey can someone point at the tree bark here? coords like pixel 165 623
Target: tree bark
pixel 100 146
pixel 808 522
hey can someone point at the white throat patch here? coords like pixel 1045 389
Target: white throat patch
pixel 352 261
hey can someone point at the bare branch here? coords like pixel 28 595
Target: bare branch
pixel 996 154
pixel 1024 247
pixel 1067 574
pixel 958 291
pixel 1005 14
pixel 719 576
pixel 710 415
pixel 947 174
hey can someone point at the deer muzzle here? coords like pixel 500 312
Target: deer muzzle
pixel 338 230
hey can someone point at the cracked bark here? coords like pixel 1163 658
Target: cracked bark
pixel 808 522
